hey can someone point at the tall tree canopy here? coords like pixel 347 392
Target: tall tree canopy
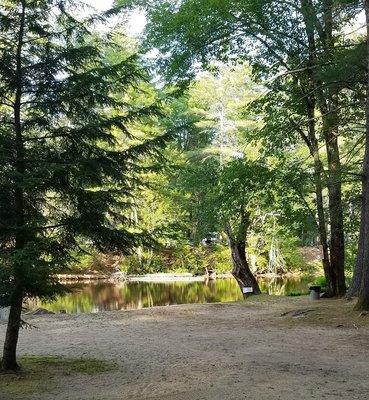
pixel 299 50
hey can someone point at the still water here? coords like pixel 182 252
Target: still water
pixel 104 296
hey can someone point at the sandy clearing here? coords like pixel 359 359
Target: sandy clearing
pixel 213 351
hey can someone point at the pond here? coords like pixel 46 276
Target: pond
pixel 105 296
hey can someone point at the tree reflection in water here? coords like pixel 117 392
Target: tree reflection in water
pixel 104 296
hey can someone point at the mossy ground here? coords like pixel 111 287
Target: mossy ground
pixel 40 373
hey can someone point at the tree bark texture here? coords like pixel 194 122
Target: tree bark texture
pixel 330 118
pixel 237 243
pixel 311 140
pixel 354 287
pixel 363 300
pixel 337 241
pixel 241 270
pixel 9 361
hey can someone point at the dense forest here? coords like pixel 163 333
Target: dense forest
pixel 230 135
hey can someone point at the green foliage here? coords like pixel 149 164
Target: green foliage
pixel 182 258
pixel 81 127
pixel 320 281
pixel 81 263
pixel 93 262
pixel 296 294
pixel 312 70
pixel 222 259
pixel 215 175
pixel 70 156
pixel 289 249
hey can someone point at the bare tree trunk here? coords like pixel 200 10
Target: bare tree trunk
pixel 337 242
pixel 9 361
pixel 328 104
pixel 318 172
pixel 323 237
pixel 363 300
pixel 241 270
pixel 313 146
pixel 354 287
pixel 311 140
pixel 237 243
pixel 16 298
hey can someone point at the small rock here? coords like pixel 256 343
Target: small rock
pixel 363 314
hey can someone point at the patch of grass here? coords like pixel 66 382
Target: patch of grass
pixel 320 281
pixel 329 313
pixel 40 373
pixel 264 298
pixel 295 294
pixel 68 365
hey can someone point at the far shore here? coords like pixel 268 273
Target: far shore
pixel 160 277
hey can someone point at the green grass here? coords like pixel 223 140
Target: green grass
pixel 40 373
pixel 78 365
pixel 296 294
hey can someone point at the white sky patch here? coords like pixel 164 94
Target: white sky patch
pixel 136 20
pixel 357 27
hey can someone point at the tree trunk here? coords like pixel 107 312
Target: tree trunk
pixel 353 290
pixel 308 12
pixel 323 237
pixel 328 104
pixel 318 172
pixel 241 270
pixel 9 361
pixel 337 285
pixel 363 300
pixel 237 243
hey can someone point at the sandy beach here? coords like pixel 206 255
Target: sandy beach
pixel 285 348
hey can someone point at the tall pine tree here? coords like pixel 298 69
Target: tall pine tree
pixel 67 162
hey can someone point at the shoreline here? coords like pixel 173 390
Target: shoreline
pixel 160 277
pixel 121 277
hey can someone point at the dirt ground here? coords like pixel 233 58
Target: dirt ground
pixel 245 350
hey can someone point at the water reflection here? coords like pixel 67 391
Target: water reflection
pixel 103 296
pixel 285 286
